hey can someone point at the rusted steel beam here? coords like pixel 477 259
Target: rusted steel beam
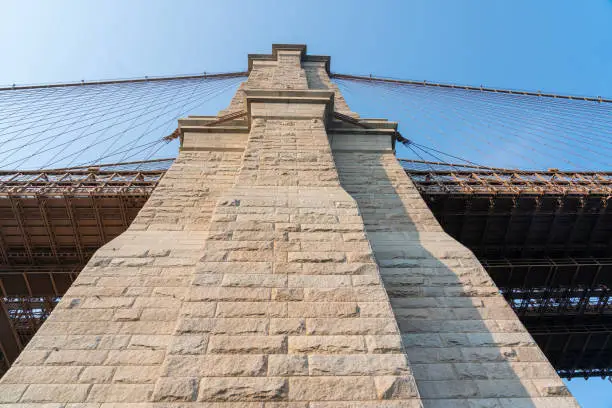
pixel 3 248
pixel 16 207
pixel 42 205
pixel 578 219
pixel 600 217
pixel 491 212
pixel 27 283
pixel 79 183
pixel 556 219
pixel 123 212
pixel 513 213
pixel 56 292
pixel 75 228
pixel 534 214
pixel 94 205
pixel 470 179
pixel 463 230
pixel 10 345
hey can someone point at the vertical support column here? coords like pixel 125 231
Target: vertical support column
pixel 292 305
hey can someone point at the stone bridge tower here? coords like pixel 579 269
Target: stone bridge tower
pixel 285 261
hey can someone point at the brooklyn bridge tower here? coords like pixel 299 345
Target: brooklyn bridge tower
pixel 284 260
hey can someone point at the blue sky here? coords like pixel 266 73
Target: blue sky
pixel 562 46
pixel 557 45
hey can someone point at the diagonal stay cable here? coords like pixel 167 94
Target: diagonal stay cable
pixel 187 98
pixel 217 92
pixel 520 136
pixel 200 102
pixel 113 136
pixel 78 128
pixel 144 101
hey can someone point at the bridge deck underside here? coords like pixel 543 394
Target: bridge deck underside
pixel 51 223
pixel 547 243
pixel 546 240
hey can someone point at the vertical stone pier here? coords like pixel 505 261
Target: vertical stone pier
pixel 284 261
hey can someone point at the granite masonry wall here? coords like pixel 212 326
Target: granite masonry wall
pixel 466 346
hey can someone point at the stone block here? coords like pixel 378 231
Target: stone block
pixel 358 364
pixel 107 302
pixel 384 344
pixel 215 366
pixel 135 357
pixel 247 344
pixel 176 389
pixel 331 388
pixel 195 325
pixel 287 294
pixel 229 294
pixel 11 392
pixel 251 309
pixel 326 344
pixel 392 387
pixel 96 375
pixel 448 389
pixel 293 326
pixel 147 342
pixel 136 374
pixel 55 393
pixel 241 326
pixel 198 309
pixel 229 389
pixel 42 375
pixel 282 365
pixel 350 326
pixel 329 309
pixel 188 344
pixel 318 281
pixel 125 393
pixel 77 357
pixel 316 257
pixel 254 280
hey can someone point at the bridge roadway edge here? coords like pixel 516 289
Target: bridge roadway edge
pixel 248 280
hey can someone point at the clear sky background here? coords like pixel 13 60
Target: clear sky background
pixel 557 45
pixel 562 46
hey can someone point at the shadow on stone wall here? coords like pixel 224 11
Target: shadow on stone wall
pixel 465 345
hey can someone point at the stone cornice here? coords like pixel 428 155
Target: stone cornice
pixel 290 47
pixel 292 96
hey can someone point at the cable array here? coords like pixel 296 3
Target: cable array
pixel 74 125
pixel 489 128
pixel 123 121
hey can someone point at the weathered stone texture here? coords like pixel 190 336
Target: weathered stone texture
pixel 281 274
pixel 108 337
pixel 252 278
pixel 466 346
